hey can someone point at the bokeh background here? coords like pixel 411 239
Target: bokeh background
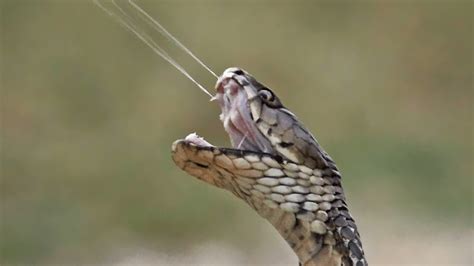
pixel 88 115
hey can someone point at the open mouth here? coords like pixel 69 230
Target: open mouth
pixel 236 117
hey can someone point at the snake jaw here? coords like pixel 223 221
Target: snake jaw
pixel 234 100
pixel 237 102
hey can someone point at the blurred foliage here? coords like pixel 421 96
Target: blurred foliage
pixel 88 115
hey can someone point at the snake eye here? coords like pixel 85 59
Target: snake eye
pixel 266 95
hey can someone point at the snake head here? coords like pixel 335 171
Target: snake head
pixel 279 169
pixel 256 120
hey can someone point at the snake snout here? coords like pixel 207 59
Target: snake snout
pixel 227 86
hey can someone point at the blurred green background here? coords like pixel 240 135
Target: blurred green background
pixel 88 115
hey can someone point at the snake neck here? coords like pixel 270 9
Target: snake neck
pixel 329 237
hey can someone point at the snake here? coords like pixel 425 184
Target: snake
pixel 279 169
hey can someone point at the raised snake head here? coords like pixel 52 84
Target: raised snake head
pixel 279 169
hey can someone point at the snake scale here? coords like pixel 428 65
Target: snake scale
pixel 279 169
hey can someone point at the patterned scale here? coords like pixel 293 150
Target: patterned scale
pixel 297 187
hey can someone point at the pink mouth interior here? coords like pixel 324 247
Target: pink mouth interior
pixel 238 123
pixel 235 115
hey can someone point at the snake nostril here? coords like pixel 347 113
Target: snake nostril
pixel 239 72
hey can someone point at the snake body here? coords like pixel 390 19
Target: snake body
pixel 279 169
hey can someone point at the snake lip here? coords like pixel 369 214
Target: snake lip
pixel 198 140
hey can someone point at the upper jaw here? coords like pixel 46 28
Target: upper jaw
pixel 233 102
pixel 234 94
pixel 230 96
pixel 229 73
